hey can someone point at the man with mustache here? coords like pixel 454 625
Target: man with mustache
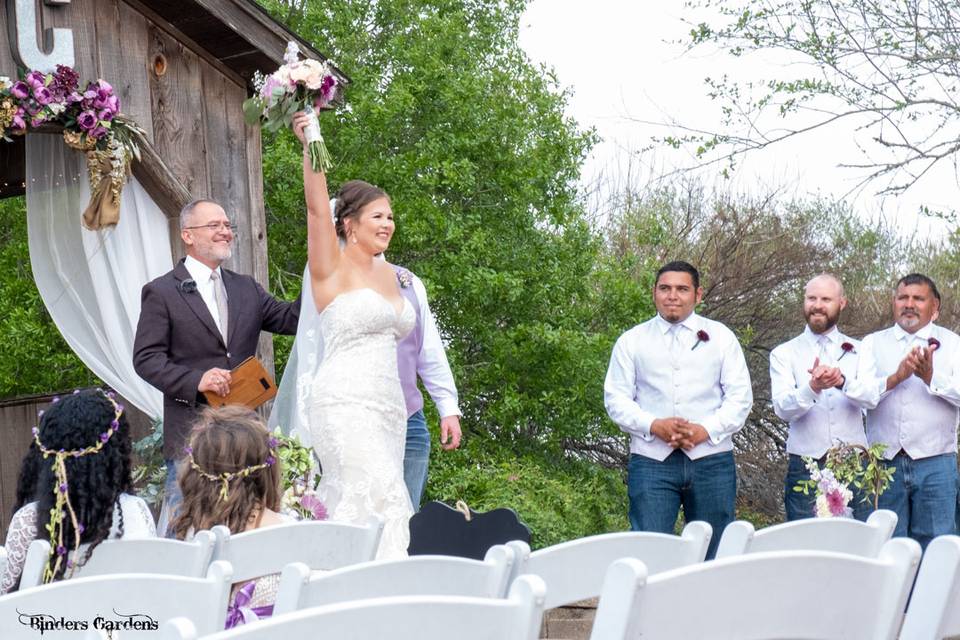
pixel 909 382
pixel 678 384
pixel 806 376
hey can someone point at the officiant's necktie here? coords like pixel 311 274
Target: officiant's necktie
pixel 220 298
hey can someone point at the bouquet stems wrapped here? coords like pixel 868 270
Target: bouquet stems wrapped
pixel 298 85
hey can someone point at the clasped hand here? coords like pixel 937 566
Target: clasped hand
pixel 823 377
pixel 679 433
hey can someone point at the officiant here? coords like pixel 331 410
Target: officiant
pixel 197 322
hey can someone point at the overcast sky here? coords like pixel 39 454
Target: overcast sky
pixel 622 64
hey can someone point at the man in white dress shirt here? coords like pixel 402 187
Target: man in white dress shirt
pixel 678 384
pixel 908 379
pixel 421 355
pixel 806 376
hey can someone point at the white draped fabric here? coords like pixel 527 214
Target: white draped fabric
pixel 90 281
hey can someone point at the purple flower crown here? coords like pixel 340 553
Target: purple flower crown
pixel 225 477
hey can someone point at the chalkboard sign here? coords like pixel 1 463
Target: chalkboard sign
pixel 440 529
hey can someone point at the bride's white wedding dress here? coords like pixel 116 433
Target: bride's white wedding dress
pixel 357 416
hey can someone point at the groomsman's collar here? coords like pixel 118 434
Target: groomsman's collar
pixel 691 322
pixel 833 335
pixel 923 333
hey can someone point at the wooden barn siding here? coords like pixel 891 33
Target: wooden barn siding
pixel 17 417
pixel 192 113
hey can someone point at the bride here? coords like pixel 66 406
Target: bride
pixel 355 412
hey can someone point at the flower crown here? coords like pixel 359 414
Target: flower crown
pixel 225 477
pixel 57 515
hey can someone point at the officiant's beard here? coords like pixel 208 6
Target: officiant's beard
pixel 215 253
pixel 820 324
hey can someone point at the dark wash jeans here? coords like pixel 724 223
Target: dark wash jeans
pixel 923 494
pixel 706 489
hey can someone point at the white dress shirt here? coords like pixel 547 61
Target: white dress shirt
pixel 201 275
pixel 432 366
pixel 920 419
pixel 818 421
pixel 652 377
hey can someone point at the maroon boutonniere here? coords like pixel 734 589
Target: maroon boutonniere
pixel 702 336
pixel 847 347
pixel 934 343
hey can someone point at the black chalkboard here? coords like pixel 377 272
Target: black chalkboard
pixel 440 529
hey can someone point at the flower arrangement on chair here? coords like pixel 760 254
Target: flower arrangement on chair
pixel 846 465
pixel 299 479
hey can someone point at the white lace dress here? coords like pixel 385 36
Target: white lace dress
pixel 357 416
pixel 137 523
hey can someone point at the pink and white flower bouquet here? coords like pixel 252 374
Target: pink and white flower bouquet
pixel 299 85
pixel 833 496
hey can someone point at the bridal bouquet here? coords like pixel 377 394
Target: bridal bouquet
pixel 299 481
pixel 298 85
pixel 846 465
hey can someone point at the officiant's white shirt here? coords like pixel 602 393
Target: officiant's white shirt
pixel 653 375
pixel 818 421
pixel 920 419
pixel 201 275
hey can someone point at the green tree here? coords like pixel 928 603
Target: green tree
pixel 887 67
pixel 35 357
pixel 447 114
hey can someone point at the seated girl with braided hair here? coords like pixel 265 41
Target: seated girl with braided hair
pixel 77 478
pixel 231 477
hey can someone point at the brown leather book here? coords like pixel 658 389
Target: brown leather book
pixel 250 385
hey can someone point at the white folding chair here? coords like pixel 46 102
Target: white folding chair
pixel 842 535
pixel 934 612
pixel 414 576
pixel 141 597
pixel 516 617
pixel 319 545
pixel 814 595
pixel 148 555
pixel 574 570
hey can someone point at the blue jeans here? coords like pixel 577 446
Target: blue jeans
pixel 416 457
pixel 706 488
pixel 798 506
pixel 923 493
pixel 172 499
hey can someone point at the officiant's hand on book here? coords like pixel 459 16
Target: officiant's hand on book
pixel 216 381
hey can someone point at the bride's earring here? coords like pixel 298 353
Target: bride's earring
pixel 355 239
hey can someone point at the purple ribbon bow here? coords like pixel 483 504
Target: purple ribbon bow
pixel 240 612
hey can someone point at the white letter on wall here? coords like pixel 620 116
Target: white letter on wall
pixel 57 43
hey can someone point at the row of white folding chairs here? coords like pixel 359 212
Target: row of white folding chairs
pixel 802 594
pixel 320 545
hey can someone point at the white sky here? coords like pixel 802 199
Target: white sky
pixel 619 59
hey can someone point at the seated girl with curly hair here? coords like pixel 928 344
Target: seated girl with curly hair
pixel 77 478
pixel 231 477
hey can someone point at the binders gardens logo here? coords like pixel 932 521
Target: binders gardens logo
pixel 44 622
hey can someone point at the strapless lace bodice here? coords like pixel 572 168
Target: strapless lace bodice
pixel 358 417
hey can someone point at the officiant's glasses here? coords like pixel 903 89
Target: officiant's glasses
pixel 213 227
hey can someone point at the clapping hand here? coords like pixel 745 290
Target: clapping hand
pixel 921 361
pixel 823 377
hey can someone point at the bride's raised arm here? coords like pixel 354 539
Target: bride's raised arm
pixel 323 250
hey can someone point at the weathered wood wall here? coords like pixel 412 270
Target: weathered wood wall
pixel 189 104
pixel 17 417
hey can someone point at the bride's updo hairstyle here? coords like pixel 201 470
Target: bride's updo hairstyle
pixel 230 474
pixel 352 197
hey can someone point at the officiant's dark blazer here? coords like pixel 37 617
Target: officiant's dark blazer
pixel 178 340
